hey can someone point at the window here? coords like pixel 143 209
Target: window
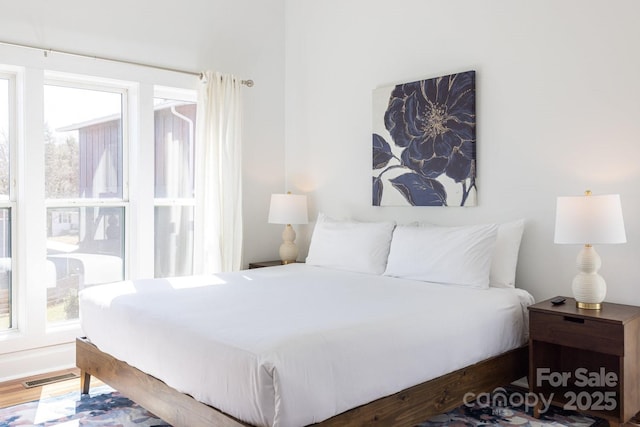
pixel 84 192
pixel 7 106
pixel 174 124
pixel 78 202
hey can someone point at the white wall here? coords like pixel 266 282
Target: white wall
pixel 558 112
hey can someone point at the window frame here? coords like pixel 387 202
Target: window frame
pixel 74 81
pixel 11 75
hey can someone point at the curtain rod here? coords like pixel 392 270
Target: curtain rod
pixel 248 83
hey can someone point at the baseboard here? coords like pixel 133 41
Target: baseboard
pixel 28 363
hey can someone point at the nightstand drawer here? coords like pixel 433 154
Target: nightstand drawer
pixel 579 332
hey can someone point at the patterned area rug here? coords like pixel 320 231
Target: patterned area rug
pixel 101 408
pixel 106 407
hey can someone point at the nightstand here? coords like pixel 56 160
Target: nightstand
pixel 261 264
pixel 586 360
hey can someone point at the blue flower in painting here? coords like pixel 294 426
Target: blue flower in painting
pixel 434 120
pixel 433 123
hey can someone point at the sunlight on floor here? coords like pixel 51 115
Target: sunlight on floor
pixel 50 408
pixel 59 388
pixel 46 411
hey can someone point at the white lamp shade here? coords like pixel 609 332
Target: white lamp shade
pixel 589 220
pixel 288 209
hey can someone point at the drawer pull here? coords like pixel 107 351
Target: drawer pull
pixel 573 319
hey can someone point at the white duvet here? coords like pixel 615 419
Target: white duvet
pixel 297 344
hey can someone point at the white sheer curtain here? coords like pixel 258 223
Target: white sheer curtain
pixel 218 215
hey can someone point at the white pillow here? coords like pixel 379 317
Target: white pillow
pixel 349 245
pixel 449 255
pixel 505 254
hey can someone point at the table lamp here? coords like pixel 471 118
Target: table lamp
pixel 288 209
pixel 589 220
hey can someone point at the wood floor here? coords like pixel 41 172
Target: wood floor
pixel 14 393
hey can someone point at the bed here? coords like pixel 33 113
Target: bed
pixel 309 343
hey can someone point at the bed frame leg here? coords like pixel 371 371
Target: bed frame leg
pixel 85 382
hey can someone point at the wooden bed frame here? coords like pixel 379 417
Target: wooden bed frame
pixel 407 407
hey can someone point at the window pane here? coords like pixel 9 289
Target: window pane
pixel 174 177
pixel 174 135
pixel 83 143
pixel 5 269
pixel 173 241
pixel 4 139
pixel 84 248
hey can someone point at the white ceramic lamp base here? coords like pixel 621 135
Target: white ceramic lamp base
pixel 288 249
pixel 589 288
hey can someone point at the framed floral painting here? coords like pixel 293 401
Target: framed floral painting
pixel 424 142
